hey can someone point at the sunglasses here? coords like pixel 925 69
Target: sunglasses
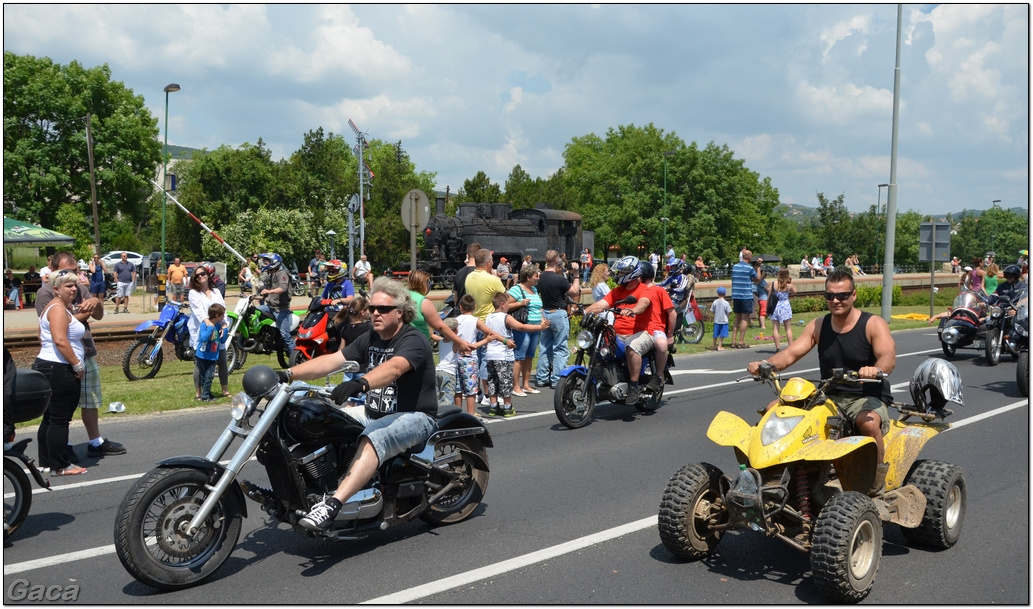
pixel 382 309
pixel 200 274
pixel 840 296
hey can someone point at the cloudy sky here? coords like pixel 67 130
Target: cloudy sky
pixel 803 93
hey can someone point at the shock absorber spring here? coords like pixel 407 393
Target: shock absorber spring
pixel 803 493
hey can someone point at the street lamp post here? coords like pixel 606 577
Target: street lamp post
pixel 170 88
pixel 664 219
pixel 992 231
pixel 878 209
pixel 330 233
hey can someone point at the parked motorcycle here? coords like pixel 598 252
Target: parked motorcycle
pixel 1018 340
pixel 31 396
pixel 972 324
pixel 316 334
pixel 180 522
pixel 143 358
pixel 252 330
pixel 801 482
pixel 297 286
pixel 600 371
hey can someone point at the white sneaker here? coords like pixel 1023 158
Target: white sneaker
pixel 484 401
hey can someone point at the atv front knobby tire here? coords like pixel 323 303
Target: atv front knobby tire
pixel 685 509
pixel 847 547
pixel 946 495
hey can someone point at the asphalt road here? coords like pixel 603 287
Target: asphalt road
pixel 569 515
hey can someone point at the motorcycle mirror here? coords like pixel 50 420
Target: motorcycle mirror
pixel 627 300
pixel 348 366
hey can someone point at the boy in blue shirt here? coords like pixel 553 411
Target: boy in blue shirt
pixel 210 335
pixel 721 309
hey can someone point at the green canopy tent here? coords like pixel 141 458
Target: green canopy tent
pixel 18 233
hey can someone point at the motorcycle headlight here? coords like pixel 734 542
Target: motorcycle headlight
pixel 242 407
pixel 995 311
pixel 584 339
pixel 777 428
pixel 1021 321
pixel 950 336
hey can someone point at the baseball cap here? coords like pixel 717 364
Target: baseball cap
pixel 503 260
pixel 721 291
pixel 968 268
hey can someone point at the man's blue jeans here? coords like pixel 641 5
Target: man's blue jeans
pixel 553 354
pixel 283 322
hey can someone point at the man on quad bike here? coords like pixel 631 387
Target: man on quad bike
pixel 851 339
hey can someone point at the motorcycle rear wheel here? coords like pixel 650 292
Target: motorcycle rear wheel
pixel 693 332
pixel 16 484
pixel 148 540
pixel 284 357
pixel 650 400
pixel 470 482
pixel 134 362
pixel 684 532
pixel 574 400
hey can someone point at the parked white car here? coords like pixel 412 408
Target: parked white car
pixel 114 256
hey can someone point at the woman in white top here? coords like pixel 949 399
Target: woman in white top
pixel 597 282
pixel 60 359
pixel 202 295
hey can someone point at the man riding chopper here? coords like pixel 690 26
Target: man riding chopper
pixel 851 339
pixel 399 385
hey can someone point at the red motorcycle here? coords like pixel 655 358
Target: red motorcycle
pixel 316 334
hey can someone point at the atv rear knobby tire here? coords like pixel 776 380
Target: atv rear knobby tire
pixel 685 509
pixel 946 495
pixel 847 547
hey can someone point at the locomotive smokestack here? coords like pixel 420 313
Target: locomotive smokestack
pixel 439 206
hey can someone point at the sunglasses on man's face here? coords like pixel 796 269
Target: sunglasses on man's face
pixel 840 296
pixel 382 309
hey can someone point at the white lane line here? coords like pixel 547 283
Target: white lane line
pixel 59 559
pixel 989 413
pixel 448 583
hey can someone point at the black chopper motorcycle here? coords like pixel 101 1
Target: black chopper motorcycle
pixel 1018 339
pixel 180 522
pixel 973 324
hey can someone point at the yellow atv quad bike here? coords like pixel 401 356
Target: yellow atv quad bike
pixel 805 482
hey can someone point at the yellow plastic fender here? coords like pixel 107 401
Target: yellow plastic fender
pixel 728 429
pixel 903 443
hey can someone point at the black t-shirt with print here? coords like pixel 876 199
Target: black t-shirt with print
pixel 553 288
pixel 414 391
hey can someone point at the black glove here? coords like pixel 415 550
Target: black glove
pixel 345 390
pixel 283 376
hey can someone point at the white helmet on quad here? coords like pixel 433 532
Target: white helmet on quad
pixel 935 385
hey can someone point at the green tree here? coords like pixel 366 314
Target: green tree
pixel 521 191
pixel 996 229
pixel 45 153
pixel 479 189
pixel 833 221
pixel 71 221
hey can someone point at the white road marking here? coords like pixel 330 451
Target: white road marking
pixel 448 583
pixel 59 559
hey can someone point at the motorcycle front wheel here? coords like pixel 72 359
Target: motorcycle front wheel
pixel 235 356
pixel 992 347
pixel 297 357
pixel 574 400
pixel 468 483
pixel 17 496
pixel 284 357
pixel 149 539
pixel 135 364
pixel 1022 373
pixel 693 332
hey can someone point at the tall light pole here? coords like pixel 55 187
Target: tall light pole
pixel 169 88
pixel 992 231
pixel 664 218
pixel 878 215
pixel 331 233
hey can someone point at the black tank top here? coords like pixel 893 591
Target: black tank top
pixel 851 351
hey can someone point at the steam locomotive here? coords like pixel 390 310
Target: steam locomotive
pixel 509 233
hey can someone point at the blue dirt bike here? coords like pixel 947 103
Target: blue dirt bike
pixel 145 355
pixel 605 373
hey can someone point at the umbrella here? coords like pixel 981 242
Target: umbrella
pixel 18 233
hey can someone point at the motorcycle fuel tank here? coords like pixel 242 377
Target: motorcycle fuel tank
pixel 312 419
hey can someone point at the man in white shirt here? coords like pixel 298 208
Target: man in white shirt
pixel 362 272
pixel 805 267
pixel 817 265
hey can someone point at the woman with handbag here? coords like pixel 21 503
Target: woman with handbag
pixel 527 309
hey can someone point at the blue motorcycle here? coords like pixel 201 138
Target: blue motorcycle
pixel 144 357
pixel 605 373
